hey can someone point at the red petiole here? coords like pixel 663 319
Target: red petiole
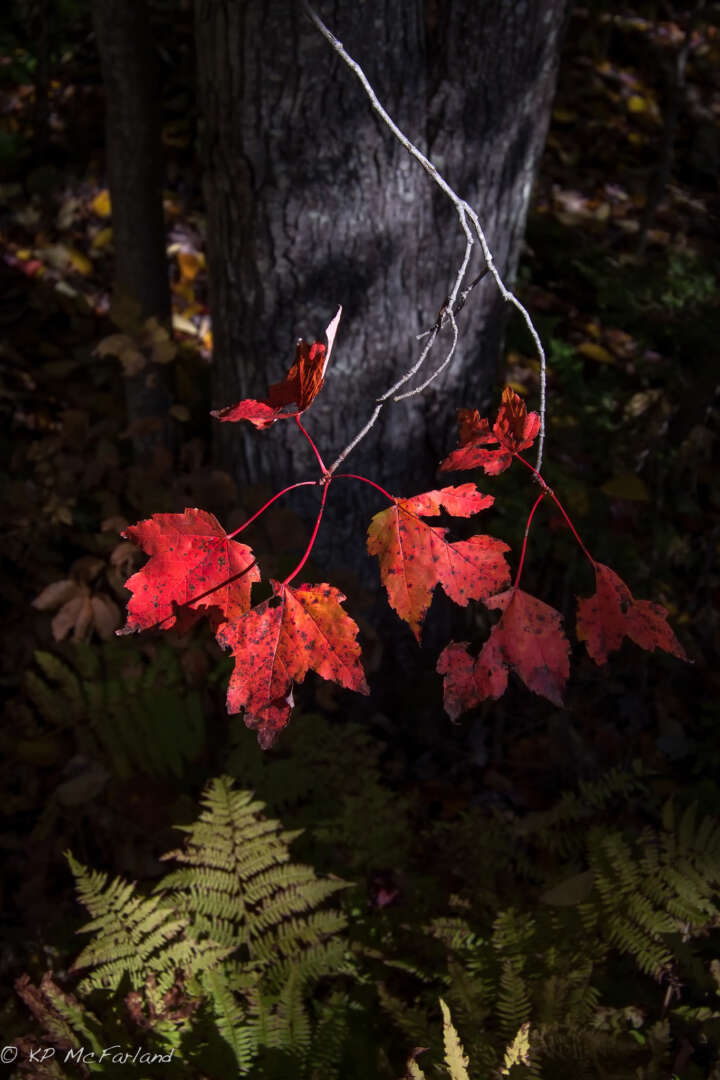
pixel 549 491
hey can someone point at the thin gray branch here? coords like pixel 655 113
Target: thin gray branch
pixel 466 218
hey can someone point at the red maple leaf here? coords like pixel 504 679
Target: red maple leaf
pixel 189 556
pixel 515 429
pixel 527 638
pixel 278 642
pixel 415 557
pixel 300 386
pixel 612 613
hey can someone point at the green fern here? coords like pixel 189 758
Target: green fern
pixel 238 927
pixel 135 937
pixel 137 711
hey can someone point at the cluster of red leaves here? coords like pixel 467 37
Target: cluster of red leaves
pixel 529 637
pixel 194 568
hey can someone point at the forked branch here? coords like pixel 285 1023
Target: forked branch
pixel 470 224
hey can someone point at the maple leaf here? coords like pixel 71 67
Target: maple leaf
pixel 612 613
pixel 189 556
pixel 415 557
pixel 515 429
pixel 300 386
pixel 259 413
pixel 278 642
pixel 528 638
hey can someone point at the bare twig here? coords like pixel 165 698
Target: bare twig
pixel 443 314
pixel 469 223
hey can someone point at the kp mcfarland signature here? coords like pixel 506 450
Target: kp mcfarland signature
pixel 81 1055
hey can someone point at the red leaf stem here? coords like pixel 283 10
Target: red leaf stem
pixel 354 476
pixel 299 423
pixel 537 502
pixel 549 491
pixel 309 548
pixel 303 483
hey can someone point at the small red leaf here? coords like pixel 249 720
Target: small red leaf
pixel 189 555
pixel 515 429
pixel 300 386
pixel 528 639
pixel 258 413
pixel 415 557
pixel 611 614
pixel 468 680
pixel 277 643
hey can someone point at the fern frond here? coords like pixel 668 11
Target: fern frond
pixel 230 1017
pixel 455 1058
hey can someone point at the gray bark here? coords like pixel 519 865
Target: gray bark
pixel 312 203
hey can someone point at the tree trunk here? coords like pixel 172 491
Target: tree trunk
pixel 135 179
pixel 311 202
pixel 492 68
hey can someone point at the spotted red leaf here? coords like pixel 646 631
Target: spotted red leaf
pixel 300 386
pixel 528 638
pixel 278 642
pixel 258 413
pixel 514 430
pixel 611 614
pixel 415 557
pixel 189 555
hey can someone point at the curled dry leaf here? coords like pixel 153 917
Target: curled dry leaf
pixel 55 595
pixel 125 349
pixel 300 386
pixel 78 612
pixel 106 616
pixel 115 524
pixel 124 555
pixel 75 615
pixel 86 568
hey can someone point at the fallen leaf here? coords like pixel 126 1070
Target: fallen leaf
pixel 190 262
pixel 101 203
pixel 55 594
pixel 80 262
pixel 626 486
pixel 102 239
pixel 592 351
pixel 106 616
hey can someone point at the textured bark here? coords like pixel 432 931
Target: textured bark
pixel 135 180
pixel 312 203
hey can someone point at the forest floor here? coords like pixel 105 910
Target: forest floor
pixel 629 311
